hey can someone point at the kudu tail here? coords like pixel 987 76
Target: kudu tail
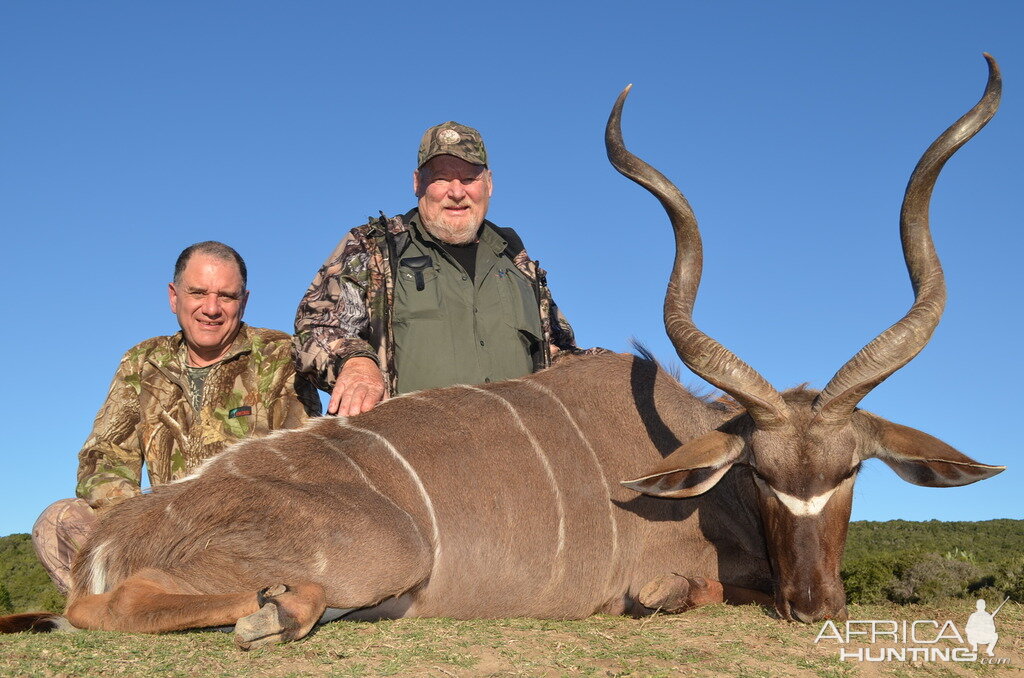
pixel 35 622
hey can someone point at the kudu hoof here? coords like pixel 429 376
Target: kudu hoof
pixel 669 593
pixel 272 624
pixel 674 593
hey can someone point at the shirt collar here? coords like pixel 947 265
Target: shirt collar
pixel 242 344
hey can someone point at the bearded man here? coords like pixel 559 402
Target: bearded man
pixel 435 297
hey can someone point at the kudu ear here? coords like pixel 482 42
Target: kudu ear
pixel 692 469
pixel 922 459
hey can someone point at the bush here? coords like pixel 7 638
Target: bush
pixel 6 606
pixel 868 580
pixel 931 578
pixel 1009 579
pixel 23 579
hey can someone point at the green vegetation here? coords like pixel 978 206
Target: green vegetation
pixel 891 562
pixel 24 586
pixel 907 562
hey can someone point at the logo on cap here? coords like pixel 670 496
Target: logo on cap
pixel 448 137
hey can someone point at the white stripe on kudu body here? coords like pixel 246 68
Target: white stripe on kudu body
pixel 369 483
pixel 613 556
pixel 280 455
pixel 331 443
pixel 207 463
pixel 559 502
pixel 98 569
pixel 435 530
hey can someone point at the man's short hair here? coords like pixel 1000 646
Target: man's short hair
pixel 217 250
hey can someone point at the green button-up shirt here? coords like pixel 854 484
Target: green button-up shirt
pixel 451 329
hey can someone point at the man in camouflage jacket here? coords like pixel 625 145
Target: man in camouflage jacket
pixel 348 310
pixel 149 415
pixel 178 400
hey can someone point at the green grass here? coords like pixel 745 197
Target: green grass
pixel 712 641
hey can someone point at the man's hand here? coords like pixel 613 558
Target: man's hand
pixel 358 388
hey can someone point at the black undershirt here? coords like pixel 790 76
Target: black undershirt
pixel 464 254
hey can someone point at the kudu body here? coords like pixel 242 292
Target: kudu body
pixel 504 499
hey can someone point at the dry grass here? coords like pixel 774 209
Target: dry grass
pixel 712 641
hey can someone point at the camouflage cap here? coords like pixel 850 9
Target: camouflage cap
pixel 451 138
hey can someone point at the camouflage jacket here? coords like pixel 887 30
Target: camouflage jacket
pixel 346 312
pixel 149 417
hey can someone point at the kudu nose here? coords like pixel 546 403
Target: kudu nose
pixel 816 614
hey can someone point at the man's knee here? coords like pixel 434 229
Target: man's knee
pixel 58 534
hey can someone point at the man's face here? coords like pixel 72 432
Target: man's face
pixel 453 197
pixel 209 302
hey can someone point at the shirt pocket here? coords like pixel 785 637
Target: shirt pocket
pixel 417 294
pixel 519 302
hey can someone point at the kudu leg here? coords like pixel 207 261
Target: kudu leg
pixel 674 593
pixel 152 601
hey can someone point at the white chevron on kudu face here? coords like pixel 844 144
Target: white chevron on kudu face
pixel 811 506
pixel 804 507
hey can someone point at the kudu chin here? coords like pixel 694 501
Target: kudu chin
pixel 503 499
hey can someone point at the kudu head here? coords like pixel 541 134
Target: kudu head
pixel 804 448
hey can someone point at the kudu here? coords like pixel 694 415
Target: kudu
pixel 503 499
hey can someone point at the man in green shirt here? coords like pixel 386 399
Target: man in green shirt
pixel 178 400
pixel 435 297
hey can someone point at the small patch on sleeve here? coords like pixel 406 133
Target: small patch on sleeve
pixel 243 411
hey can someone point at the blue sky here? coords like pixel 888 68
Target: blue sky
pixel 130 130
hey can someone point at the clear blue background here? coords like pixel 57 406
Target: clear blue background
pixel 129 130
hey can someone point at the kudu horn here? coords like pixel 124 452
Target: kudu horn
pixel 896 346
pixel 706 357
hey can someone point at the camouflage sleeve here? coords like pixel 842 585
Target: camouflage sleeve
pixel 562 336
pixel 110 462
pixel 556 325
pixel 332 319
pixel 304 404
pixel 289 397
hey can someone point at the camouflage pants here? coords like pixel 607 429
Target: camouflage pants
pixel 57 536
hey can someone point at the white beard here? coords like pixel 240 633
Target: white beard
pixel 453 235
